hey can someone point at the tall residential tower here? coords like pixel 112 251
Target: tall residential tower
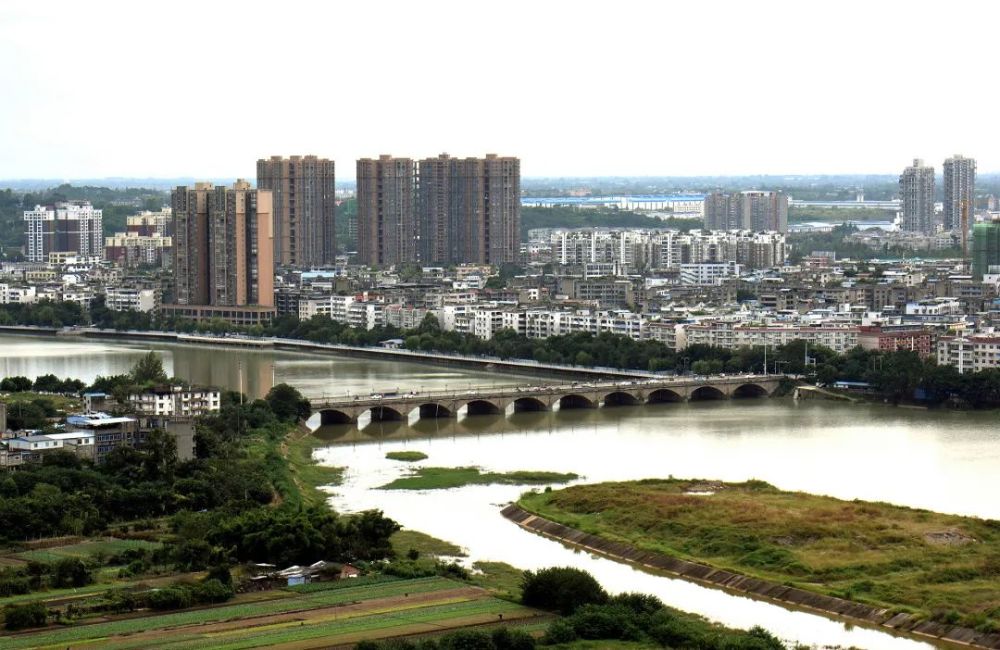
pixel 304 204
pixel 916 191
pixel 469 209
pixel 223 253
pixel 387 232
pixel 959 188
pixel 754 210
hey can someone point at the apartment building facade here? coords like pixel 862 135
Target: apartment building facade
pixel 66 227
pixel 223 253
pixel 304 208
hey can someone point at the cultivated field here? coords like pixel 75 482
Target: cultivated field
pixel 311 616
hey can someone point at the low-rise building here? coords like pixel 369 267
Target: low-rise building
pixel 969 353
pixel 177 400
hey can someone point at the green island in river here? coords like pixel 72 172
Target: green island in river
pixel 439 478
pixel 943 567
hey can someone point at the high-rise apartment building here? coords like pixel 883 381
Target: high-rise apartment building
pixel 959 189
pixel 223 253
pixel 985 249
pixel 387 229
pixel 304 203
pixel 469 209
pixel 758 211
pixel 66 227
pixel 916 191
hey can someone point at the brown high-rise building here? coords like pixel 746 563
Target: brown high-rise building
pixel 223 253
pixel 469 209
pixel 387 232
pixel 749 210
pixel 304 200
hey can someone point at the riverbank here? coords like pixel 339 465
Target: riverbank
pixel 909 570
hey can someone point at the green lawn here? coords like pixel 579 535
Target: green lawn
pixel 438 478
pixel 945 566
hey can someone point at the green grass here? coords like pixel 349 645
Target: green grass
pixel 406 456
pixel 500 578
pixel 308 474
pixel 438 478
pixel 404 540
pixel 876 553
pixel 346 595
pixel 85 549
pixel 63 403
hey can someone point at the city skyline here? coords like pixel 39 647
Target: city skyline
pixel 580 98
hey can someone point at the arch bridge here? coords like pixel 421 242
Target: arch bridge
pixel 498 400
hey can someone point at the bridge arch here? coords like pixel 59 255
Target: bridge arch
pixel 707 393
pixel 433 410
pixel 750 390
pixel 576 401
pixel 522 404
pixel 481 407
pixel 663 395
pixel 333 416
pixel 621 398
pixel 385 414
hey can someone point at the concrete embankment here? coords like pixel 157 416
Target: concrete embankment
pixel 755 588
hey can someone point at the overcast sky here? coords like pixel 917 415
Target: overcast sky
pixel 94 89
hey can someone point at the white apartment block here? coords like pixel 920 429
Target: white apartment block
pixel 633 249
pixel 131 299
pixel 969 353
pixel 708 274
pixel 177 401
pixel 734 335
pixel 17 295
pixel 72 226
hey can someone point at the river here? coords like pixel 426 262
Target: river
pixel 942 461
pixel 228 367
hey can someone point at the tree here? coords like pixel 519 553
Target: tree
pixel 148 370
pixel 561 589
pixel 15 384
pixel 287 403
pixel 19 617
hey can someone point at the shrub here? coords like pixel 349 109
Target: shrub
pixel 561 589
pixel 505 638
pixel 559 632
pixel 19 617
pixel 466 640
pixel 603 622
pixel 211 591
pixel 170 598
pixel 71 572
